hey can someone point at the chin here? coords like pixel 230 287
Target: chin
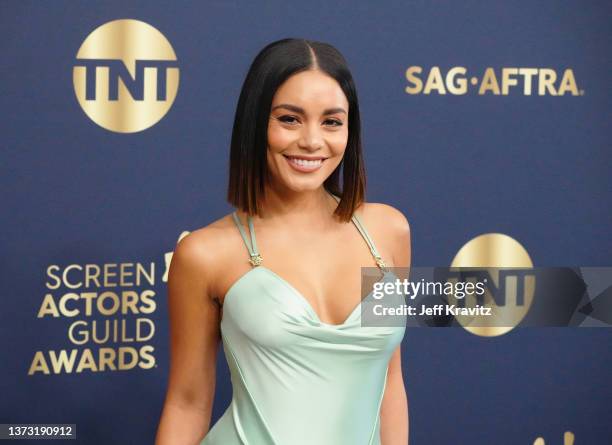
pixel 307 186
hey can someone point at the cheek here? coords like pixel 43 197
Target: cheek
pixel 278 138
pixel 337 142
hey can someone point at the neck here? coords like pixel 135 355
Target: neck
pixel 311 208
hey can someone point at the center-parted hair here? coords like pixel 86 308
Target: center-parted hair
pixel 248 166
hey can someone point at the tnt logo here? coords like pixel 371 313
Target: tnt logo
pixel 568 439
pixel 506 268
pixel 126 76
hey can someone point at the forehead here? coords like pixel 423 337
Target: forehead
pixel 311 89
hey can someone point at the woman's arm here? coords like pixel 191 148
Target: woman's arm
pixel 194 341
pixel 394 423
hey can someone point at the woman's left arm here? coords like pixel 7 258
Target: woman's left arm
pixel 394 423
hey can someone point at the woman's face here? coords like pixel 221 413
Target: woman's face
pixel 307 130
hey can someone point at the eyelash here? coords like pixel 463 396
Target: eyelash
pixel 337 123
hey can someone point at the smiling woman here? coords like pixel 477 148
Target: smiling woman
pixel 285 303
pixel 301 135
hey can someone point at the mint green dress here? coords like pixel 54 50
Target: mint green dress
pixel 297 380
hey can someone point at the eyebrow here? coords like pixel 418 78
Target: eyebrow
pixel 300 110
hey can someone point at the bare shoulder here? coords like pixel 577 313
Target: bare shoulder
pixel 387 216
pixel 202 245
pixel 204 252
pixel 391 229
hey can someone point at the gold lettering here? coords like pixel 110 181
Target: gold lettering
pixel 143 272
pixel 528 74
pixel 39 364
pixel 411 77
pixel 87 361
pixel 139 336
pixel 147 298
pixel 57 279
pixel 546 82
pixel 114 299
pixel 107 359
pixel 62 303
pixel 84 334
pixel 568 83
pixel 48 307
pixel 130 300
pixel 434 81
pixel 508 81
pixel 123 274
pixel 92 273
pixel 108 274
pixel 128 350
pixel 461 86
pixel 88 297
pixel 150 359
pixel 62 360
pixel 489 82
pixel 65 276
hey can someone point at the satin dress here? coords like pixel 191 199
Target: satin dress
pixel 297 380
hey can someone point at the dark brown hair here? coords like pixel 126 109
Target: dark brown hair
pixel 248 167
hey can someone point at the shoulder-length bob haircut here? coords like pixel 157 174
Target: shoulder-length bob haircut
pixel 248 155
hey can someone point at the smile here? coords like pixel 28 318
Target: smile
pixel 304 164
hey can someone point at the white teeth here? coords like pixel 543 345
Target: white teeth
pixel 306 163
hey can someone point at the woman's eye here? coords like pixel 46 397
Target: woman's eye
pixel 293 120
pixel 287 119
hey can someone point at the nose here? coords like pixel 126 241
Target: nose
pixel 311 137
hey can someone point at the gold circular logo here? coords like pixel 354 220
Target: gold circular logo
pixel 499 255
pixel 126 76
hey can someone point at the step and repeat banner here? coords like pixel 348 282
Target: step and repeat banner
pixel 488 124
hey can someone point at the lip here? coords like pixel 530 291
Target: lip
pixel 306 158
pixel 305 168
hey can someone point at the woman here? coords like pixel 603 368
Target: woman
pixel 279 279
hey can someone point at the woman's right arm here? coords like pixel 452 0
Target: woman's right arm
pixel 194 341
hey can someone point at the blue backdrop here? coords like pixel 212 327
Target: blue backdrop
pixel 535 167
